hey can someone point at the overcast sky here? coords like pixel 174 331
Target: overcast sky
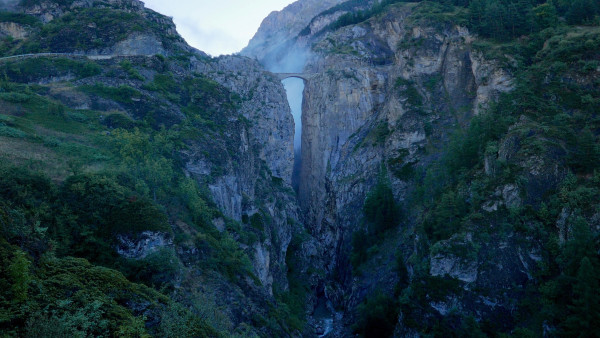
pixel 217 26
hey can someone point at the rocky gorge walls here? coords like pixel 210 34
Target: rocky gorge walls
pixel 386 89
pixel 384 97
pixel 241 191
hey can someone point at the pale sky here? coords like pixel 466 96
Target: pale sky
pixel 217 26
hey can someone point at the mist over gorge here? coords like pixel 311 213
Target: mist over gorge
pixel 424 168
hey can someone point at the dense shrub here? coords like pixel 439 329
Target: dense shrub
pixel 354 17
pixel 159 269
pixel 378 316
pixel 34 69
pixel 409 92
pixel 582 11
pixel 121 94
pixel 447 216
pixel 23 19
pixel 75 31
pixel 119 121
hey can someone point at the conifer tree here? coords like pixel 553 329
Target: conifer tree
pixel 587 155
pixel 584 320
pixel 581 11
pixel 545 15
pixel 380 208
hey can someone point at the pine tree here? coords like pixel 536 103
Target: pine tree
pixel 477 11
pixel 584 320
pixel 579 246
pixel 380 209
pixel 587 155
pixel 18 271
pixel 519 18
pixel 581 11
pixel 545 15
pixel 496 21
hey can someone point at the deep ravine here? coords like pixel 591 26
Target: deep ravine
pixel 375 100
pixel 430 172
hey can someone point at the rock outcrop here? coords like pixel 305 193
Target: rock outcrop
pixel 14 30
pixel 280 28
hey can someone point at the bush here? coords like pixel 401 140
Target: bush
pixel 116 120
pixel 134 216
pixel 23 19
pixel 11 132
pixel 446 218
pixel 131 71
pixel 25 189
pixel 121 94
pixel 225 255
pixel 177 321
pixel 586 156
pixel 256 221
pixel 377 316
pixel 75 31
pixel 78 117
pixel 409 92
pixel 34 69
pixel 354 17
pixel 91 298
pixel 159 269
pixel 15 97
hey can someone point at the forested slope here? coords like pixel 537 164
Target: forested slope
pixel 144 187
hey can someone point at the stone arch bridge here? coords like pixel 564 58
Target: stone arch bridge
pixel 304 76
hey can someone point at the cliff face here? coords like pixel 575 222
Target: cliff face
pixel 280 29
pixel 384 90
pixel 263 153
pixel 404 99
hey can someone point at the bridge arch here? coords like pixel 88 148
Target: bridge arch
pixel 283 76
